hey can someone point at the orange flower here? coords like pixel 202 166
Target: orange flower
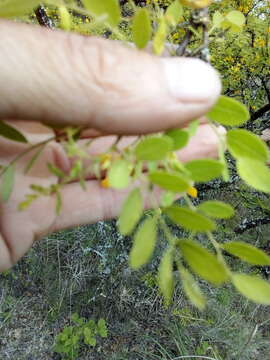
pixel 105 183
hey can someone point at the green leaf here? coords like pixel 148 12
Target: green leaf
pixel 169 181
pixel 254 173
pixel 167 198
pixel 243 143
pixel 153 148
pixel 8 179
pixel 203 263
pixel 229 112
pixel 204 170
pixel 189 219
pixel 56 171
pixel 141 29
pixel 247 252
pixel 227 25
pixel 119 174
pixel 110 8
pixel 144 243
pixel 253 288
pixel 65 18
pixel 236 18
pixel 11 8
pixel 160 37
pixel 11 133
pixel 216 209
pixel 174 12
pixel 192 290
pixel 217 19
pixel 27 202
pixel 165 275
pixel 193 127
pixel 102 328
pixel 179 137
pixel 131 212
pixel 58 204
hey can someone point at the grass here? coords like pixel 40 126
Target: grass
pixel 85 270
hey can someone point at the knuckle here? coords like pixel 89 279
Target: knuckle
pixel 93 61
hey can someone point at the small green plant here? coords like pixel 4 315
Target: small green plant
pixel 69 342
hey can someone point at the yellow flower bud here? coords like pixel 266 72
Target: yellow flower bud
pixel 192 191
pixel 105 161
pixel 105 183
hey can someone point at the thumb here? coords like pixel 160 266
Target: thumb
pixel 67 79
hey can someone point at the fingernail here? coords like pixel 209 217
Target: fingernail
pixel 191 80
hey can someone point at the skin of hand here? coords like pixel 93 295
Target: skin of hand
pixel 52 77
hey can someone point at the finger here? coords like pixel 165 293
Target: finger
pixel 95 204
pixel 68 79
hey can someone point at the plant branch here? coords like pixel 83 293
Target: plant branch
pixel 18 157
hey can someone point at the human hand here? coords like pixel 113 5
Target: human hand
pixel 51 77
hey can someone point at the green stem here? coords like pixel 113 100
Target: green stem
pixel 167 232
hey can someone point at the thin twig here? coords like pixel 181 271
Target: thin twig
pixel 181 50
pixel 18 157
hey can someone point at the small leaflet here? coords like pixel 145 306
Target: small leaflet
pixel 131 212
pixel 243 143
pixel 228 111
pixel 203 263
pixel 154 148
pixel 165 275
pixel 14 8
pixel 254 173
pixel 11 133
pixel 143 244
pixel 141 29
pixel 169 181
pixel 110 8
pixel 204 170
pixel 252 287
pixel 192 289
pixel 8 179
pixel 189 219
pixel 216 209
pixel 247 252
pixel 119 174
